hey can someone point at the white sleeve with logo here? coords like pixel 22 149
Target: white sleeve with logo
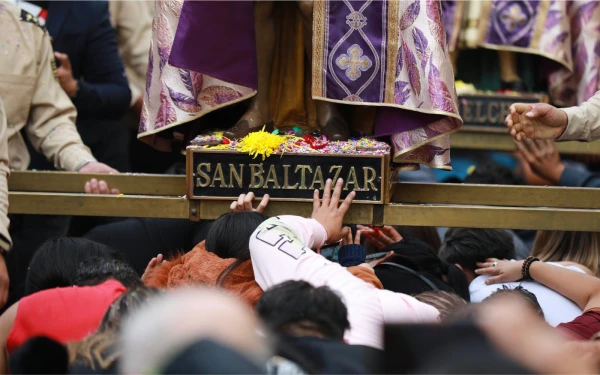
pixel 281 250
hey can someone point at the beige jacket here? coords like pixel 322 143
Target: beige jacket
pixel 132 21
pixel 32 96
pixel 5 241
pixel 584 121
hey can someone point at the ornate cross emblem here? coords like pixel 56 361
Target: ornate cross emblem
pixel 354 62
pixel 513 17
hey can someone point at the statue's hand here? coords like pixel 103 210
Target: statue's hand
pixel 536 121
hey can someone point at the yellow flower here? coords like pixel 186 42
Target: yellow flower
pixel 260 143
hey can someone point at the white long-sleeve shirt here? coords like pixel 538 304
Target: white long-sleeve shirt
pixel 280 249
pixel 583 121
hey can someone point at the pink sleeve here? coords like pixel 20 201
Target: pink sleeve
pixel 402 308
pixel 280 249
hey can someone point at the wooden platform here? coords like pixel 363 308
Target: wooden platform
pixel 450 205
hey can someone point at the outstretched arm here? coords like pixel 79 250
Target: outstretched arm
pixel 580 288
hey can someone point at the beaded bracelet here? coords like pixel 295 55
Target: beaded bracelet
pixel 526 265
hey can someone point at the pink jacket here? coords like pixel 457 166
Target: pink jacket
pixel 281 250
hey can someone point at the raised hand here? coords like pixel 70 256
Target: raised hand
pixel 65 74
pixel 542 158
pixel 536 121
pixel 381 237
pixel 244 203
pixel 329 212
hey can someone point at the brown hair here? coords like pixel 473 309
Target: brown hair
pixel 446 303
pixel 578 247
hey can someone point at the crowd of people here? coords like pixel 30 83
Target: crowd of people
pixel 248 293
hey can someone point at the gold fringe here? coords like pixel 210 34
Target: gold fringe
pixel 318 46
pixel 393 36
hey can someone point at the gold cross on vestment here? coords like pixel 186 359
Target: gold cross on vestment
pixel 354 62
pixel 513 18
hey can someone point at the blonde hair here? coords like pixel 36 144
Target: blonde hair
pixel 578 247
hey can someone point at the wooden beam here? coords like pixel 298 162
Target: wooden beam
pixel 97 205
pixel 496 195
pixel 492 217
pixel 477 140
pixel 69 182
pixel 394 214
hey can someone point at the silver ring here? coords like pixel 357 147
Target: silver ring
pixel 494 264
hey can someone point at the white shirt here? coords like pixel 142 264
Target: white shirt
pixel 280 249
pixel 557 309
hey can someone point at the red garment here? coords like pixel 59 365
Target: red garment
pixel 584 326
pixel 62 314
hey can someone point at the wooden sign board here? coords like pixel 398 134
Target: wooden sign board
pixel 485 112
pixel 218 174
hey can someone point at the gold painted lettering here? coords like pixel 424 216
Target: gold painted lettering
pixel 492 113
pixel 218 176
pixel 286 178
pixel 479 116
pixel 256 179
pixel 337 173
pixel 272 177
pixel 370 176
pixel 233 174
pixel 303 169
pixel 202 174
pixel 318 179
pixel 467 113
pixel 351 179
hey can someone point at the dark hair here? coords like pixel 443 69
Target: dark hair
pixel 129 301
pixel 446 303
pixel 299 305
pixel 39 355
pixel 55 263
pixel 229 237
pixel 429 235
pixel 519 291
pixel 491 173
pixel 466 247
pixel 419 256
pixel 95 271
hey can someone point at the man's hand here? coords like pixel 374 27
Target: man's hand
pixel 4 281
pixel 381 237
pixel 543 158
pixel 244 203
pixel 65 74
pixel 329 212
pixel 537 121
pixel 94 186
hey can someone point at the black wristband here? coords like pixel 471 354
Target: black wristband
pixel 527 265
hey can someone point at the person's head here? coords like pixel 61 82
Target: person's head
pixel 97 270
pixel 491 173
pixel 519 292
pixel 578 247
pixel 229 237
pixel 466 247
pixel 151 337
pixel 296 308
pixel 446 303
pixel 127 303
pixel 420 257
pixel 55 263
pixel 429 235
pixel 99 350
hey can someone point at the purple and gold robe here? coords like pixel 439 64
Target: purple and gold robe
pixel 565 32
pixel 387 58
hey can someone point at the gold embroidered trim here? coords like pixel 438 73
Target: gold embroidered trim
pixel 542 14
pixel 318 43
pixel 486 8
pixel 458 21
pixel 393 34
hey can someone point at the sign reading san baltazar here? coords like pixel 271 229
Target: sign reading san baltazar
pixel 225 174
